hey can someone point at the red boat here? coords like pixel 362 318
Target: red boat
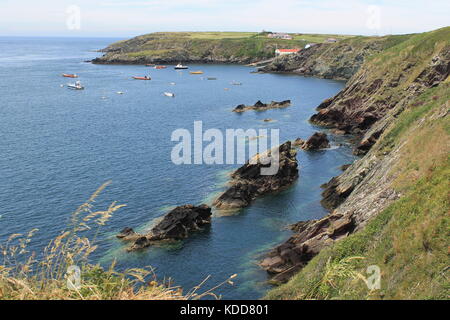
pixel 142 78
pixel 69 75
pixel 160 67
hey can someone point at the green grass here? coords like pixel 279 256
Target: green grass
pixel 409 240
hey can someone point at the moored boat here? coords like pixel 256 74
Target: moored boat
pixel 160 67
pixel 180 67
pixel 196 72
pixel 75 86
pixel 142 78
pixel 169 94
pixel 69 75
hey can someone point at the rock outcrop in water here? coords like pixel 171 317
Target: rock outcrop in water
pixel 317 141
pixel 247 182
pixel 259 106
pixel 178 224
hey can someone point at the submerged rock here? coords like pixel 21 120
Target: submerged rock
pixel 260 106
pixel 176 225
pixel 248 183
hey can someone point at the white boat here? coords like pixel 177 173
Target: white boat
pixel 75 86
pixel 169 94
pixel 180 67
pixel 235 83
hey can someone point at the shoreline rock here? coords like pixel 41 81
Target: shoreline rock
pixel 247 182
pixel 260 106
pixel 178 224
pixel 310 238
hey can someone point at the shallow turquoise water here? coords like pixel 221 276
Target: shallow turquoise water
pixel 58 146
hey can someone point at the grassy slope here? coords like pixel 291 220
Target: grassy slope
pixel 197 45
pixel 408 240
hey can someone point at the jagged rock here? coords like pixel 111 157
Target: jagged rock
pixel 176 225
pixel 179 222
pixel 310 238
pixel 318 140
pixel 247 182
pixel 260 106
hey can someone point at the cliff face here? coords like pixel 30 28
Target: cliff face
pixel 194 48
pixel 338 61
pixel 399 102
pixel 385 84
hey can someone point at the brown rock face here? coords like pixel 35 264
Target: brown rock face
pixel 259 106
pixel 247 182
pixel 176 225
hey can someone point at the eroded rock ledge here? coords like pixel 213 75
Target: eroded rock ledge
pixel 178 224
pixel 260 106
pixel 247 182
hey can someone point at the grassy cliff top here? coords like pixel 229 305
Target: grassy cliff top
pixel 204 47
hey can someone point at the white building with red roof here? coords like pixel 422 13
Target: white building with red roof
pixel 282 52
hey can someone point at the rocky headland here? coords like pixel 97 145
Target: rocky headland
pixel 195 47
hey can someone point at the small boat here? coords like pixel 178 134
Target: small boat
pixel 211 78
pixel 67 75
pixel 196 72
pixel 180 67
pixel 149 65
pixel 142 78
pixel 160 67
pixel 120 92
pixel 172 83
pixel 75 86
pixel 235 83
pixel 169 94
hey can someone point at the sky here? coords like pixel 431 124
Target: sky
pixel 126 18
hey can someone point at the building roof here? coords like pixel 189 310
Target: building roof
pixel 288 50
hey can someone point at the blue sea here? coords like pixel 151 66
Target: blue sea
pixel 58 146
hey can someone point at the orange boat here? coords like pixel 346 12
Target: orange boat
pixel 160 67
pixel 69 75
pixel 142 78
